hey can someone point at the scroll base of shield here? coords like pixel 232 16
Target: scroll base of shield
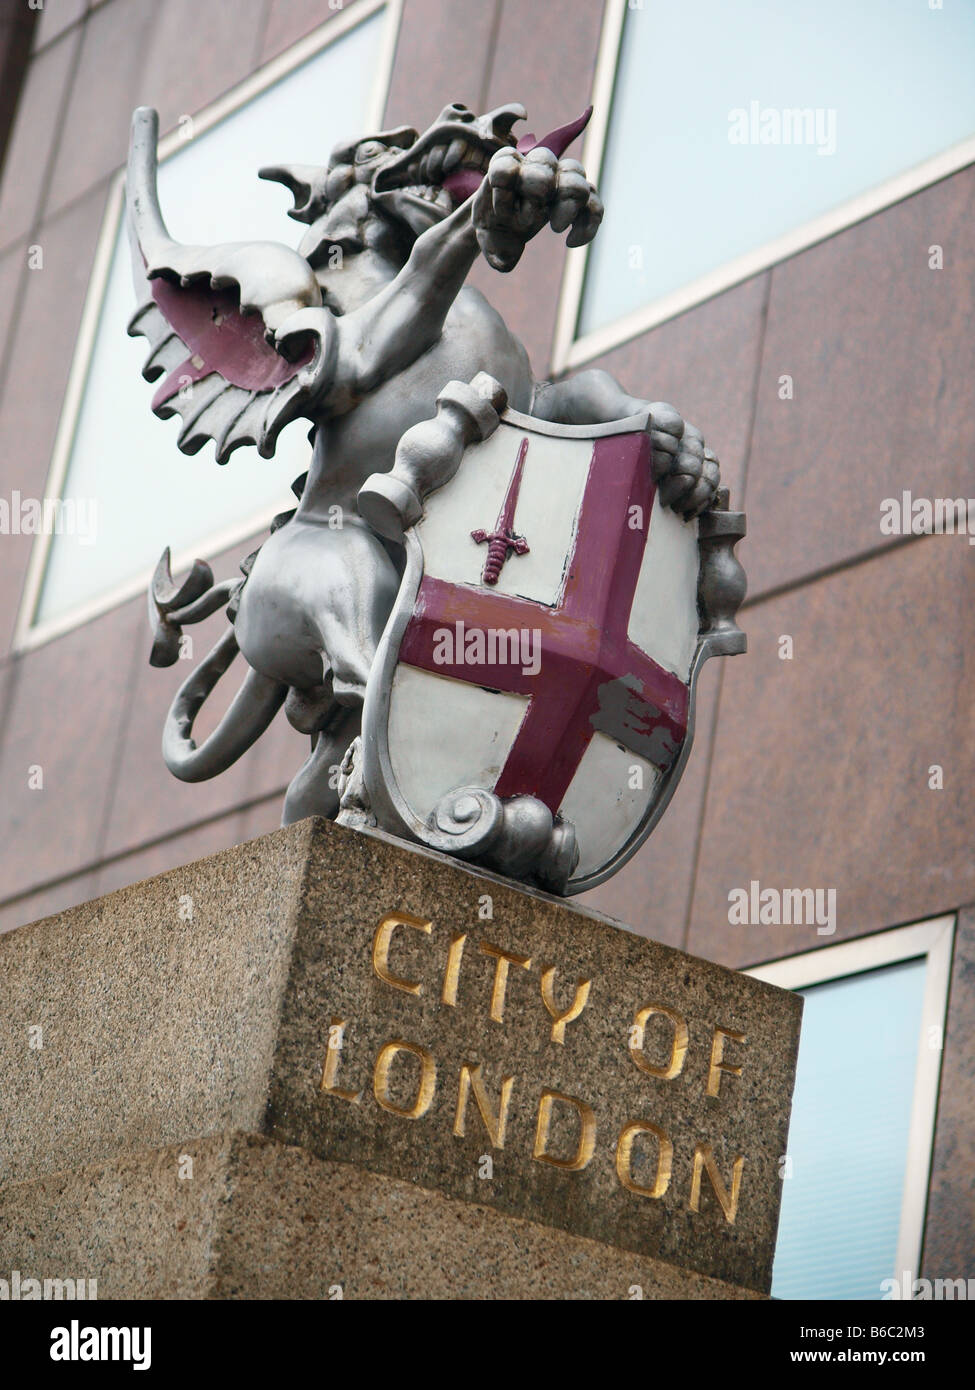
pixel 516 836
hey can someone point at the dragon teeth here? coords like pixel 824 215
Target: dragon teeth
pixel 455 153
pixel 443 160
pixel 433 163
pixel 429 192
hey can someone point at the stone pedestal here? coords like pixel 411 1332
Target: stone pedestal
pixel 323 1064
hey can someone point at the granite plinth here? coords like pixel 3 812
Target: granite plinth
pixel 392 1014
pixel 262 1220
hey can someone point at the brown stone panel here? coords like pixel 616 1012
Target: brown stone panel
pixel 108 84
pixel 171 853
pixel 442 55
pixel 882 357
pixel 705 363
pixel 687 362
pixel 195 53
pixel 290 20
pixel 54 18
pixel 67 703
pixel 18 24
pixel 37 374
pixel 262 817
pixel 57 898
pixel 949 1234
pixel 150 802
pixel 553 92
pixel 820 770
pixel 13 268
pixel 652 893
pixel 36 127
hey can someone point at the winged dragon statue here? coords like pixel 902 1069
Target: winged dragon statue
pixel 359 331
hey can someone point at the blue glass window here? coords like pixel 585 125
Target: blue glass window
pixel 841 1199
pixel 734 124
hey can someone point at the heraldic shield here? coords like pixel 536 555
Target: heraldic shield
pixel 531 706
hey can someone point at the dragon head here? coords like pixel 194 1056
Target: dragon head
pixel 425 180
pixel 395 184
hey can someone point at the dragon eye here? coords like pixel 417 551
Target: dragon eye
pixel 369 150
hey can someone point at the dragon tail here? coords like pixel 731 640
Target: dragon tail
pixel 254 706
pixel 256 702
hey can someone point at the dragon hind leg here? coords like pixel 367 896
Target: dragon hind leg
pixel 308 711
pixel 315 787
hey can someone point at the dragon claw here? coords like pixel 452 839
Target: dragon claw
pixel 166 598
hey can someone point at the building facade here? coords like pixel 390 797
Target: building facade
pixel 787 258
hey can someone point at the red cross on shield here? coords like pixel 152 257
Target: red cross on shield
pixel 545 635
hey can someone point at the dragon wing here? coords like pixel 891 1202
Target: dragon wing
pixel 211 315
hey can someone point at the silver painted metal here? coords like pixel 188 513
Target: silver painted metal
pixel 429 454
pixel 369 331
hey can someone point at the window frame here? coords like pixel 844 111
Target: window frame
pixel 28 634
pixel 933 939
pixel 571 349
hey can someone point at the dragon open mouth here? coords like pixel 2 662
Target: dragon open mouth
pixel 447 163
pixel 443 168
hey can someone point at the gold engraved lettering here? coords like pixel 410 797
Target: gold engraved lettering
pixel 333 1055
pixel 717 1053
pixel 428 1079
pixel 452 973
pixel 380 948
pixel 624 1159
pixel 704 1159
pixel 470 1079
pixel 587 1134
pixel 678 1047
pixel 504 959
pixel 559 1020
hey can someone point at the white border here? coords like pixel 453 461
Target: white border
pixel 27 634
pixel 569 351
pixel 933 940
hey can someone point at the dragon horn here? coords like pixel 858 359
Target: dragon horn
pixel 145 216
pixel 305 183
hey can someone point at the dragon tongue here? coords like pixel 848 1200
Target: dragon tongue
pixel 462 183
pixel 558 141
